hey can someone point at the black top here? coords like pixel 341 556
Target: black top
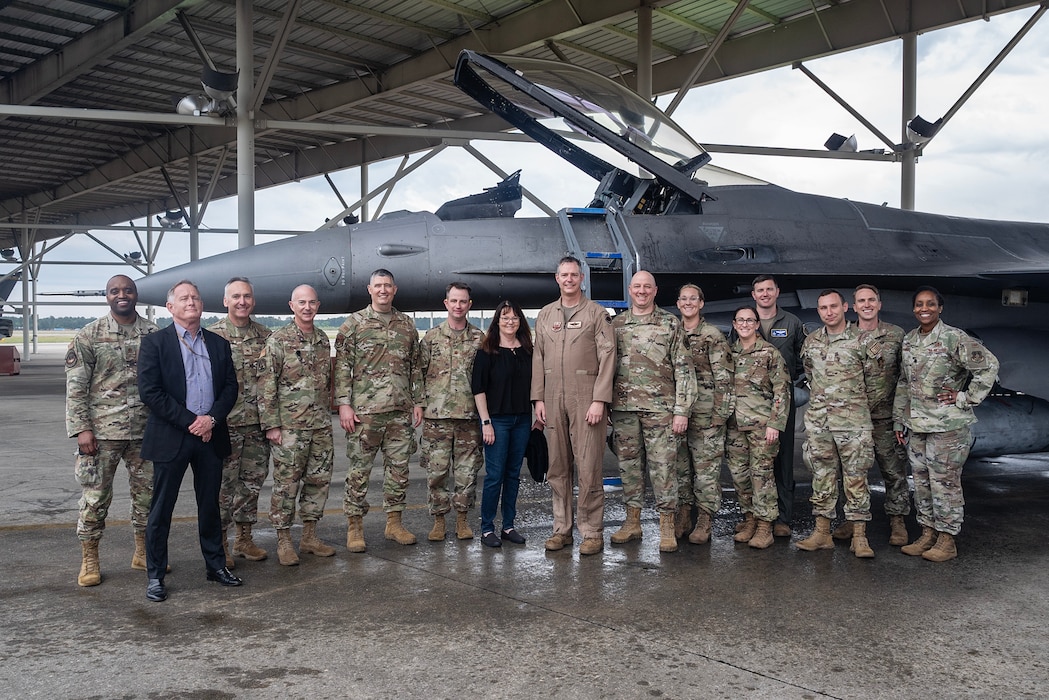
pixel 506 380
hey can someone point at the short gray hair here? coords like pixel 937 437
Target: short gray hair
pixel 171 292
pixel 231 280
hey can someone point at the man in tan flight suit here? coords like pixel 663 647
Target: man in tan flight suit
pixel 572 370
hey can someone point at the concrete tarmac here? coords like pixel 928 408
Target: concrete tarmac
pixel 456 620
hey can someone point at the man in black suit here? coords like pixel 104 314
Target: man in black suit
pixel 187 379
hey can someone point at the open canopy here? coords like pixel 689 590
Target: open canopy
pixel 587 103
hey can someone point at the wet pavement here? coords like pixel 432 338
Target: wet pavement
pixel 456 620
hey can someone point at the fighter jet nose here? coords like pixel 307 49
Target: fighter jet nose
pixel 153 289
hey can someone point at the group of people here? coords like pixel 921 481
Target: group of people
pixel 680 399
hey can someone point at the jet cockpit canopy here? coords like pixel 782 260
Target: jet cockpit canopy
pixel 604 111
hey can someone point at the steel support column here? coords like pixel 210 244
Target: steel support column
pixel 909 156
pixel 194 219
pixel 245 127
pixel 364 182
pixel 26 270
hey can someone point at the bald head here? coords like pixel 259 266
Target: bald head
pixel 304 304
pixel 642 293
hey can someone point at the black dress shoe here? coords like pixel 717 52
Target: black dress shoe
pixel 224 577
pixel 513 536
pixel 490 539
pixel 155 590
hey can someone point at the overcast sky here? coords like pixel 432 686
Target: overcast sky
pixel 990 161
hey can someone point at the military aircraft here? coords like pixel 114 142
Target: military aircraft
pixel 651 212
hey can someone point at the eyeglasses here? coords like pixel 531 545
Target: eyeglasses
pixel 684 299
pixel 509 319
pixel 745 321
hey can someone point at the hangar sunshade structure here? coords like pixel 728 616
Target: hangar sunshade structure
pixel 104 119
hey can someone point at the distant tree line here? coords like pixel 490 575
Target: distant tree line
pixel 73 323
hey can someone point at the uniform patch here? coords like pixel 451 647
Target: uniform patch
pixel 778 333
pixel 976 356
pixel 72 359
pixel 556 326
pixel 574 324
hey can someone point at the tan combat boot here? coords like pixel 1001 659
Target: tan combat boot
pixel 225 549
pixel 395 530
pixel 355 533
pixel 591 545
pixel 631 529
pixel 558 541
pixel 750 526
pixel 667 539
pixel 462 526
pixel 683 521
pixel 438 531
pixel 701 535
pixel 843 531
pixel 285 549
pixel 943 550
pixel 860 547
pixel 922 544
pixel 897 531
pixel 310 543
pixel 89 573
pixel 762 538
pixel 138 559
pixel 244 545
pixel 820 537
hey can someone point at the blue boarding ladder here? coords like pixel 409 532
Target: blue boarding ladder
pixel 625 259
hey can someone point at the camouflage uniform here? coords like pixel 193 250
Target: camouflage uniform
pixel 102 396
pixel 245 469
pixel 786 333
pixel 761 393
pixel 838 422
pixel 573 364
pixel 451 441
pixel 295 396
pixel 654 382
pixel 377 374
pixel 701 454
pixel 940 436
pixel 882 370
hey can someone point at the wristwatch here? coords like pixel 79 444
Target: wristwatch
pixel 213 421
pixel 486 422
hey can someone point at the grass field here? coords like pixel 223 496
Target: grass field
pixel 63 337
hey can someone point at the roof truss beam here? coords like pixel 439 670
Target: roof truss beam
pixel 81 55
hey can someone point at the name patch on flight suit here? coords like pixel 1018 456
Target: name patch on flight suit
pixel 574 324
pixel 778 333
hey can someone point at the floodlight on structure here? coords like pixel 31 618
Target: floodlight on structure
pixel 837 142
pixel 921 131
pixel 8 255
pixel 192 105
pixel 218 99
pixel 218 85
pixel 134 257
pixel 171 219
